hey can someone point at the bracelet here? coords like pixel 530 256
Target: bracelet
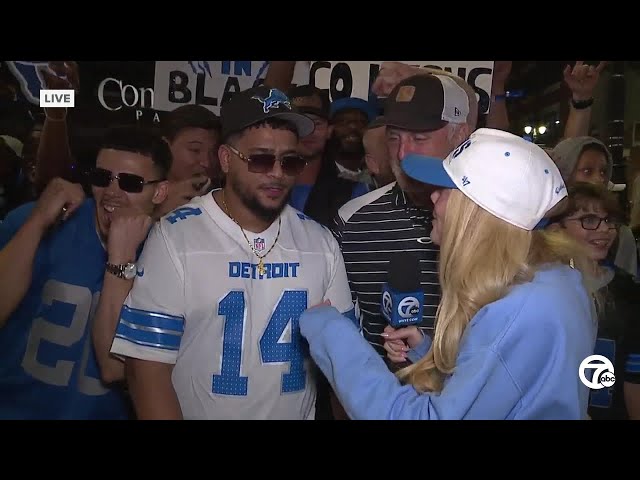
pixel 581 104
pixel 508 94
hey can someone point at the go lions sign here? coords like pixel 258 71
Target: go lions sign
pixel 212 83
pixel 114 95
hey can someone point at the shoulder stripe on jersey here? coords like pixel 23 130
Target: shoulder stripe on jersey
pixel 633 364
pixel 129 338
pixel 153 321
pixel 182 213
pixel 352 206
pixel 150 328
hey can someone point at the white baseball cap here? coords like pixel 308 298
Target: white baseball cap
pixel 507 176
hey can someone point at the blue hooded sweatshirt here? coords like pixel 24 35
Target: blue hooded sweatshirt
pixel 518 359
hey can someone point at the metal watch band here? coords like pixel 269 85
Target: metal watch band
pixel 117 270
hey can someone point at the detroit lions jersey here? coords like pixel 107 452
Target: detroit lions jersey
pixel 230 329
pixel 48 368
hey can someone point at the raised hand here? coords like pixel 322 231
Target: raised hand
pixel 57 202
pixel 182 192
pixel 63 76
pixel 390 74
pixel 582 79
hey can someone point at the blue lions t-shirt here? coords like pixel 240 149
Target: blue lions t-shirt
pixel 48 368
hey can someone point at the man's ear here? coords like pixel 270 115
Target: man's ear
pixel 224 155
pixel 372 165
pixel 160 195
pixel 462 134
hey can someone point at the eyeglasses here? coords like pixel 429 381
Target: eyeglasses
pixel 291 163
pixel 128 182
pixel 592 222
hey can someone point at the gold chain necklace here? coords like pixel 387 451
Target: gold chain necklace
pixel 261 269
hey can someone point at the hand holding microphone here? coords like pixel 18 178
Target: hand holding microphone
pixel 402 302
pixel 402 295
pixel 398 342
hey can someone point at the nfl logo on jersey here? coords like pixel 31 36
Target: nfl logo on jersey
pixel 258 244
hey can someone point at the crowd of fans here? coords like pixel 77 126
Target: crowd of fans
pixel 174 274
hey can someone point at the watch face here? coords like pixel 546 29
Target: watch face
pixel 129 271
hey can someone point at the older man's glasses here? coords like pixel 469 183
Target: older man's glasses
pixel 292 164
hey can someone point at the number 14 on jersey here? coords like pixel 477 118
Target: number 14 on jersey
pixel 287 313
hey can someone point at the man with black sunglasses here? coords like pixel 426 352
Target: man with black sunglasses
pixel 211 329
pixel 63 259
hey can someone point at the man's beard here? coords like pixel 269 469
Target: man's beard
pixel 350 149
pixel 251 202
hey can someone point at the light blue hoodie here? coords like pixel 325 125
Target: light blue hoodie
pixel 518 359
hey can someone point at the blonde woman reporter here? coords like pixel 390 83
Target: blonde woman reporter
pixel 515 320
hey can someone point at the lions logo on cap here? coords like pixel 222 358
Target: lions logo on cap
pixel 274 100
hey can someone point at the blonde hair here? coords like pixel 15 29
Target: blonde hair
pixel 481 258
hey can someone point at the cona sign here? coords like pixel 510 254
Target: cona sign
pixel 123 95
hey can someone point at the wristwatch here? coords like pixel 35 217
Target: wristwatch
pixel 126 271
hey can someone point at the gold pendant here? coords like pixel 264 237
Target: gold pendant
pixel 261 269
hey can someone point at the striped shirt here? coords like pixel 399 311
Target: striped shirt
pixel 369 229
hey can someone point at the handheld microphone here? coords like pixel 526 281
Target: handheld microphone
pixel 402 296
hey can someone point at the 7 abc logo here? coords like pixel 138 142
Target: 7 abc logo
pixel 408 307
pixel 603 375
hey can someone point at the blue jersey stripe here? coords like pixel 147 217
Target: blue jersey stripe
pixel 165 341
pixel 150 329
pixel 152 321
pixel 633 364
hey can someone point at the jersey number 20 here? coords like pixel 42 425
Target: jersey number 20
pixel 288 310
pixel 59 372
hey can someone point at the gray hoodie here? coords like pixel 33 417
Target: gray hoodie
pixel 567 153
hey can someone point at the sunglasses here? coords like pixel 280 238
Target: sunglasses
pixel 128 182
pixel 291 163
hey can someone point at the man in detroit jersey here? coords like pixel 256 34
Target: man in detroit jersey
pixel 210 329
pixel 53 278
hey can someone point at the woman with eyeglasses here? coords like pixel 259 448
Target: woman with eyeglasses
pixel 588 160
pixel 592 218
